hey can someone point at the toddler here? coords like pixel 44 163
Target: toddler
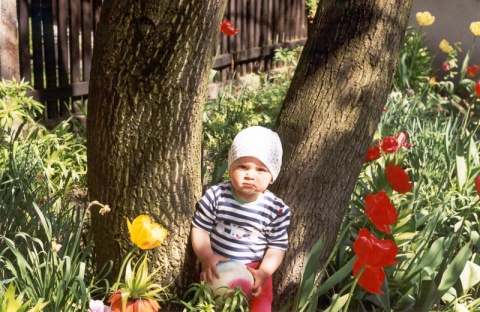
pixel 240 219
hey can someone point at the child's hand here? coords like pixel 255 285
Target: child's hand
pixel 259 277
pixel 209 268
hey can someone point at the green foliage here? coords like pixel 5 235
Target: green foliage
pixel 57 156
pixel 41 208
pixel 288 58
pixel 46 270
pixel 455 91
pixel 138 282
pixel 201 298
pixel 12 302
pixel 63 155
pixel 414 66
pixel 15 106
pixel 311 7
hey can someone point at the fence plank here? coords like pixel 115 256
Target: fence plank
pixel 75 59
pixel 37 45
pixel 62 42
pixel 49 55
pixel 48 44
pixel 60 93
pixel 24 40
pixel 224 60
pixel 257 19
pixel 87 43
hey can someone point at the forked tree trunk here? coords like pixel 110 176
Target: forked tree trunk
pixel 147 91
pixel 329 118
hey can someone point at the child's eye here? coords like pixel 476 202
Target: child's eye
pixel 262 169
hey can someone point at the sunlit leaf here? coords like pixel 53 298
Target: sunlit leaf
pixel 470 275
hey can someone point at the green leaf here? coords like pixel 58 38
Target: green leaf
pixel 461 165
pixel 470 275
pixel 473 151
pixel 454 269
pixel 338 303
pixel 39 306
pixel 431 258
pixel 336 278
pixel 428 290
pixel 310 271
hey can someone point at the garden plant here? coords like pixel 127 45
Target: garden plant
pixel 408 242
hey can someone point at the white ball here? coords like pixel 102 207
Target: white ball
pixel 232 274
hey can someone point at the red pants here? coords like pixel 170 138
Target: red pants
pixel 262 303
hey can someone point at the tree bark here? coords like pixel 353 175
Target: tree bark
pixel 329 117
pixel 9 61
pixel 147 90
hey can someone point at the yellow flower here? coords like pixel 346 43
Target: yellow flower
pixel 146 234
pixel 475 28
pixel 425 18
pixel 433 81
pixel 445 46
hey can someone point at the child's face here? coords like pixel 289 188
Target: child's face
pixel 250 177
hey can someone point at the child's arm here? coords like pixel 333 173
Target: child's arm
pixel 270 263
pixel 203 250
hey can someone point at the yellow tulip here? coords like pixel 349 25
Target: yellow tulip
pixel 146 234
pixel 475 28
pixel 445 46
pixel 425 18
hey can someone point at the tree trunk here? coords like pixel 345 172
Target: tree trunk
pixel 147 90
pixel 329 117
pixel 9 62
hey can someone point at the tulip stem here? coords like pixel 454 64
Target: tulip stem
pixel 352 288
pixel 414 56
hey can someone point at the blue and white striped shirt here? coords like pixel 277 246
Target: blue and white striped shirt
pixel 242 231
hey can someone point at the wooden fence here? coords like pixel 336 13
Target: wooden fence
pixel 56 43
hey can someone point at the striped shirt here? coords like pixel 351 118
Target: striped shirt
pixel 242 231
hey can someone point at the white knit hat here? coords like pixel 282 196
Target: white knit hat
pixel 261 143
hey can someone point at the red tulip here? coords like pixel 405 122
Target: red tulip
pixel 389 144
pixel 374 252
pixel 373 153
pixel 398 178
pixel 472 70
pixel 477 88
pixel 380 211
pixel 227 28
pixel 371 279
pixel 446 66
pixel 401 138
pixel 477 185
